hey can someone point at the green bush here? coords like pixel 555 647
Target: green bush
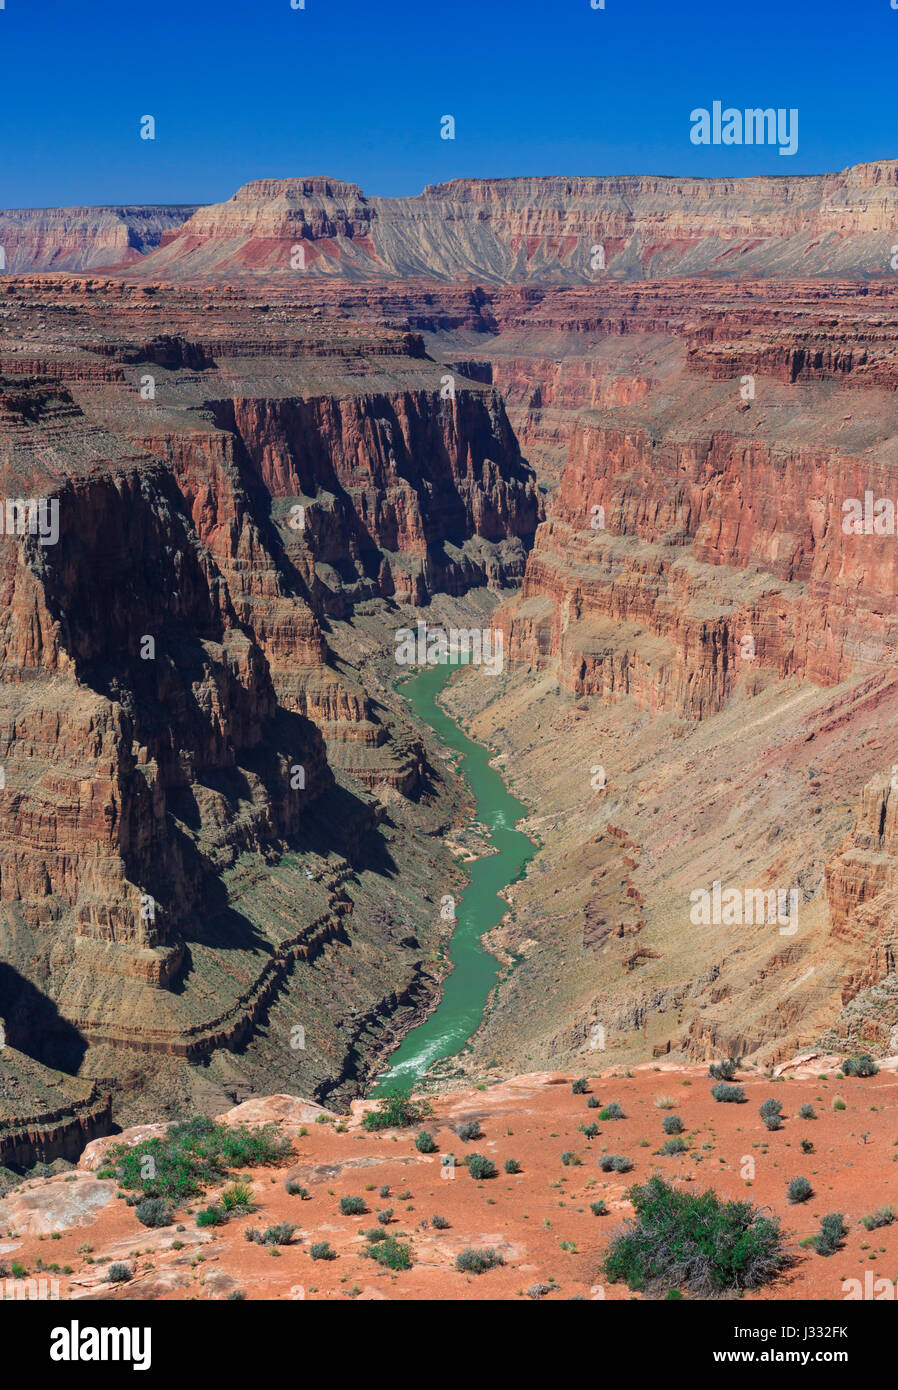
pixel 672 1124
pixel 695 1242
pixel 613 1111
pixel 480 1167
pixel 806 1146
pixel 296 1189
pixel 770 1108
pixel 439 1223
pixel 593 1103
pixel 598 1208
pixel 580 1087
pixel 375 1233
pixel 282 1234
pixel 391 1253
pixel 883 1216
pixel 724 1071
pixel 321 1250
pixel 352 1206
pixel 119 1273
pixel 193 1154
pixel 237 1199
pixel 799 1190
pixel 386 1216
pixel 807 1112
pixel 672 1146
pixel 614 1163
pixel 832 1229
pixel 590 1131
pixel 152 1211
pixel 425 1143
pixel 468 1130
pixel 862 1065
pixel 397 1110
pixel 571 1160
pixel 512 1165
pixel 213 1215
pixel 735 1095
pixel 471 1261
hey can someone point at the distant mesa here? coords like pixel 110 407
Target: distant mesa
pixel 565 230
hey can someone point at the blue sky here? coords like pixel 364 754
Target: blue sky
pixel 244 89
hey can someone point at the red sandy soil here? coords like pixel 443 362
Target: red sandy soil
pixel 539 1220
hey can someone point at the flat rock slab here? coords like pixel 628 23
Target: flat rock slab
pixel 54 1204
pixel 289 1111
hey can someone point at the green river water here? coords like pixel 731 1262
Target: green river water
pixel 479 909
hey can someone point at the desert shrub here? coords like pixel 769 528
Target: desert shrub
pixel 236 1296
pixel 799 1190
pixel 614 1163
pixel 425 1143
pixel 375 1233
pixel 281 1234
pixel 806 1146
pixel 468 1130
pixel 386 1216
pixel 589 1130
pixel 734 1095
pixel 105 1173
pixel 194 1153
pixel 672 1146
pixel 512 1165
pixel 807 1112
pixel 832 1229
pixel 439 1223
pixel 724 1071
pixel 384 1191
pixel 237 1198
pixel 352 1206
pixel 571 1160
pixel 672 1124
pixel 480 1167
pixel 580 1087
pixel 471 1261
pixel 213 1215
pixel 119 1273
pixel 397 1110
pixel 695 1242
pixel 321 1250
pixel 391 1253
pixel 839 1104
pixel 539 1290
pixel 862 1065
pixel 665 1102
pixel 883 1216
pixel 152 1211
pixel 612 1111
pixel 598 1208
pixel 593 1103
pixel 770 1107
pixel 296 1189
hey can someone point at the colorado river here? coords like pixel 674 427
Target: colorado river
pixel 474 970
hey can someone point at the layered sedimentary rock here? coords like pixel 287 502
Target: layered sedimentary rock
pixel 545 229
pixel 702 533
pixel 84 238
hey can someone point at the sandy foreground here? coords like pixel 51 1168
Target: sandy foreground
pixel 539 1220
